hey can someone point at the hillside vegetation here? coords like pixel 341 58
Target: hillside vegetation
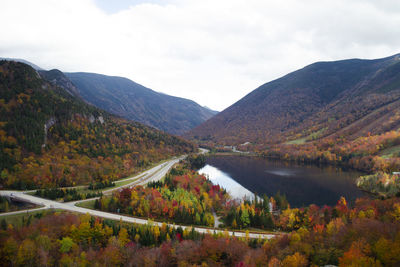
pixel 364 235
pixel 344 98
pixel 184 196
pixel 50 138
pixel 331 112
pixel 133 101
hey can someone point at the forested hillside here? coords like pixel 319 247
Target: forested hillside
pixel 364 235
pixel 133 101
pixel 48 137
pixel 347 98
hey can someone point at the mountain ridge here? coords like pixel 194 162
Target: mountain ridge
pixel 133 101
pixel 175 115
pixel 34 66
pixel 294 102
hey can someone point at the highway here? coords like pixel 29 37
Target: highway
pixel 154 174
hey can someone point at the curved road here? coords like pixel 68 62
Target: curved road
pixel 154 174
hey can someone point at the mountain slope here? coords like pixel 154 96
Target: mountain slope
pixel 133 101
pixel 36 67
pixel 58 78
pixel 49 137
pixel 325 99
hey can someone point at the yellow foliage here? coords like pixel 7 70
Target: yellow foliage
pixel 295 260
pixel 334 226
pixel 294 238
pixel 396 212
pixel 123 237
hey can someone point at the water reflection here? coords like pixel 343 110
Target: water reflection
pixel 281 172
pixel 218 177
pixel 302 184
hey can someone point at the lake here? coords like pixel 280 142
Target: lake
pixel 302 184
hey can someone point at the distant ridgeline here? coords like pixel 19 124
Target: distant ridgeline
pixel 125 98
pixel 50 137
pixel 133 101
pixel 341 111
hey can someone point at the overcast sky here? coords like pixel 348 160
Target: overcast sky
pixel 211 51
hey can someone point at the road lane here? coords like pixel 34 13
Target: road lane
pixel 154 174
pixel 22 211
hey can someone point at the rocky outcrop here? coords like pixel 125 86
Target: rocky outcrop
pixel 47 126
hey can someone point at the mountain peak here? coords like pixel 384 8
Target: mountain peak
pixel 22 61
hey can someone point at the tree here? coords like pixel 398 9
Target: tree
pixel 334 226
pixel 3 224
pixel 209 219
pixel 197 218
pixel 388 252
pixel 66 244
pixel 8 252
pixel 244 218
pixel 295 260
pixel 43 242
pixel 234 224
pixel 66 260
pixel 358 255
pixel 27 253
pixel 156 232
pixel 123 237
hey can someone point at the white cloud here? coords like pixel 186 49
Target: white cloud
pixel 213 52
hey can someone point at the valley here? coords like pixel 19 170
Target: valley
pixel 285 191
pixel 341 113
pixel 164 133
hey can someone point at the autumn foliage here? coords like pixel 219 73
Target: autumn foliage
pixel 363 153
pixel 48 138
pixel 366 234
pixel 183 197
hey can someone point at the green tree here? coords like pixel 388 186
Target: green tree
pixel 244 218
pixel 4 224
pixel 66 244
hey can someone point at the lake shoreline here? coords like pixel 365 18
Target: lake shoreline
pixel 306 163
pixel 303 184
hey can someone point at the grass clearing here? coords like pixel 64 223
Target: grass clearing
pixel 124 182
pixel 390 152
pixel 303 140
pixel 297 141
pixel 316 135
pixel 86 204
pixel 17 220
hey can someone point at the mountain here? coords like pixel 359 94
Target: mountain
pixel 133 101
pixel 49 137
pixel 58 78
pixel 128 99
pixel 347 98
pixel 22 61
pixel 213 111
